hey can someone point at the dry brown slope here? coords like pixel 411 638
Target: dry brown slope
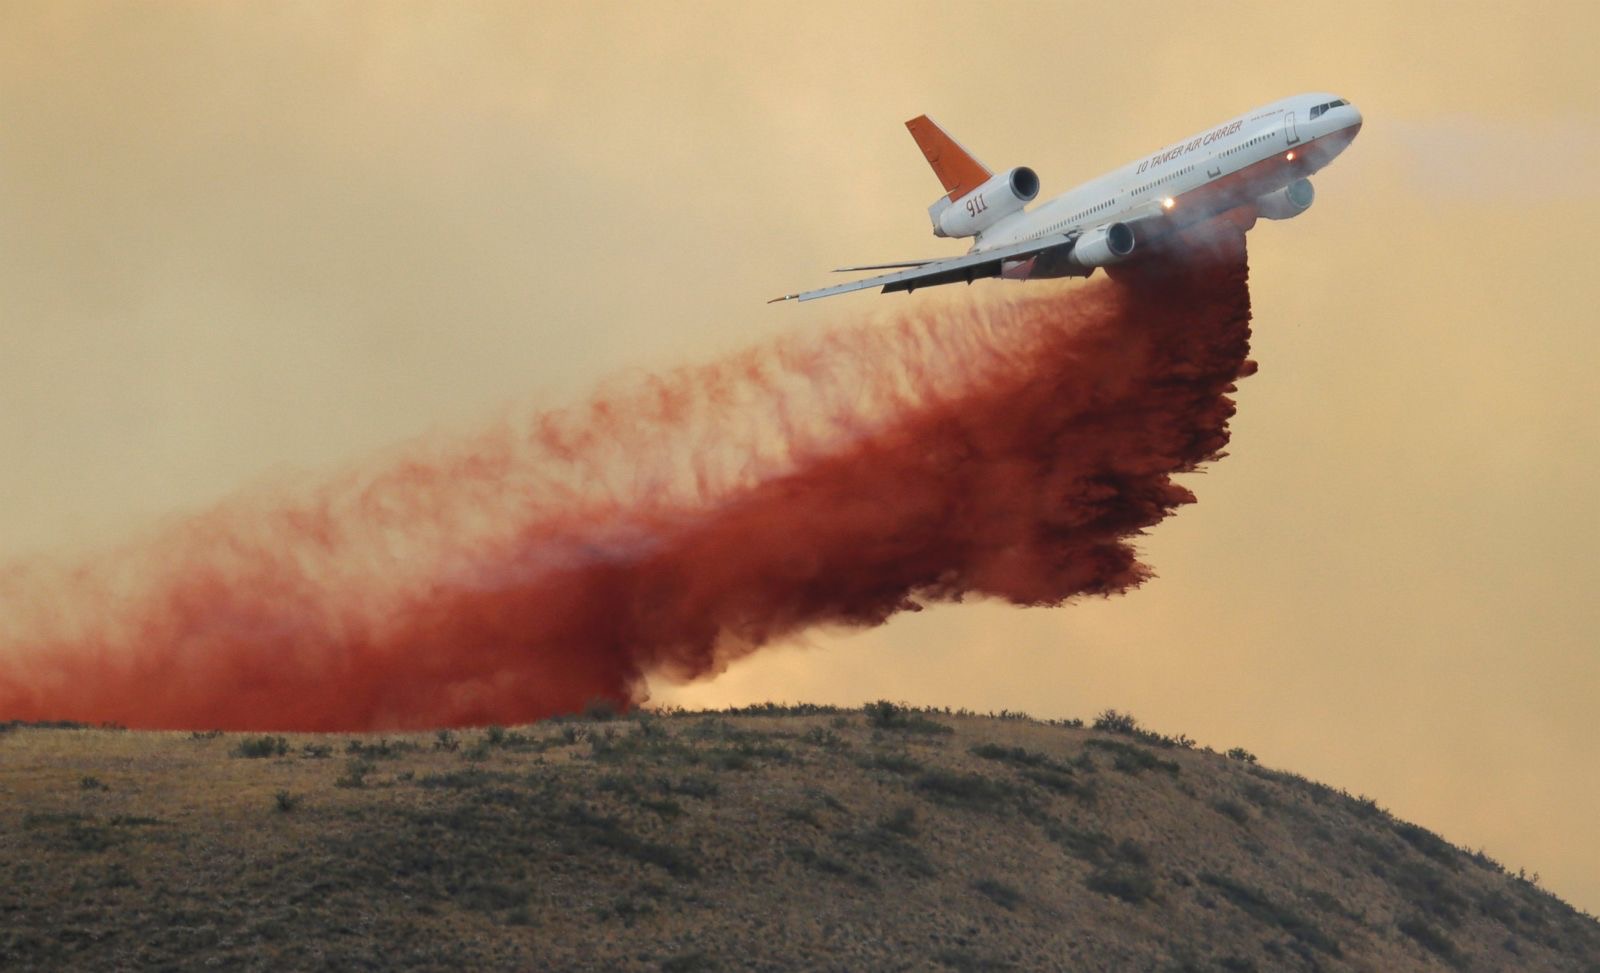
pixel 883 839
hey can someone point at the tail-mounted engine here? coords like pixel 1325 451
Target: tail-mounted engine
pixel 1288 202
pixel 1004 194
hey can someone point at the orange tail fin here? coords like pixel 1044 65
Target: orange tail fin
pixel 956 168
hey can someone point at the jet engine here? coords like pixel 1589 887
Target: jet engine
pixel 1288 202
pixel 1103 245
pixel 1003 194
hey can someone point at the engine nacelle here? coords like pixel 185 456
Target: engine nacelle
pixel 1288 202
pixel 1103 245
pixel 1003 194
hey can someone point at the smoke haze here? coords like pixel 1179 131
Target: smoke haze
pixel 1012 450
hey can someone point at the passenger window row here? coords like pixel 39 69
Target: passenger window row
pixel 1245 145
pixel 1171 175
pixel 1091 210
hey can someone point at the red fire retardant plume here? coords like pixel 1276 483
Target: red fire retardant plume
pixel 1009 450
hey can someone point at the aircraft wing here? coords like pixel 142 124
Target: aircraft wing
pixel 967 268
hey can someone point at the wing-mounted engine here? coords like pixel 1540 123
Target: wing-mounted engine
pixel 1288 202
pixel 1003 194
pixel 1103 245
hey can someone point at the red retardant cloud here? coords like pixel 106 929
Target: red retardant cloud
pixel 1010 450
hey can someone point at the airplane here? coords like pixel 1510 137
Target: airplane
pixel 1262 159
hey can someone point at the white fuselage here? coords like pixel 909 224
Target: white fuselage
pixel 1251 166
pixel 1227 165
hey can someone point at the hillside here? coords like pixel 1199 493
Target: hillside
pixel 766 839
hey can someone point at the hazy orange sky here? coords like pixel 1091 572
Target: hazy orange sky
pixel 262 241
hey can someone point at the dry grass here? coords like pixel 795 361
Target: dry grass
pixel 761 839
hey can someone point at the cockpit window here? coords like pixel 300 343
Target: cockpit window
pixel 1319 109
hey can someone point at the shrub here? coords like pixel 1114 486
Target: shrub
pixel 286 802
pixel 91 784
pixel 355 773
pixel 826 739
pixel 664 807
pixel 971 791
pixel 829 865
pixel 1367 807
pixel 50 724
pixel 600 710
pixel 70 831
pixel 1242 755
pixel 607 832
pixel 1133 760
pixel 1132 852
pixel 1015 756
pixel 1484 861
pixel 1255 903
pixel 1259 795
pixel 1432 939
pixel 381 750
pixel 804 815
pixel 699 788
pixel 782 709
pixel 460 780
pixel 627 908
pixel 963 960
pixel 1428 843
pixel 1429 889
pixel 998 892
pixel 261 747
pixel 316 751
pixel 890 839
pixel 1061 782
pixel 1091 846
pixel 884 715
pixel 1110 721
pixel 1130 883
pixel 447 741
pixel 902 822
pixel 894 763
pixel 650 727
pixel 1232 809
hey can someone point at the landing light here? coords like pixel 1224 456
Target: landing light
pixel 1290 157
pixel 1168 203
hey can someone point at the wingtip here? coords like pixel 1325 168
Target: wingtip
pixel 786 297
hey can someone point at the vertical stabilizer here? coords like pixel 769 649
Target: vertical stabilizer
pixel 957 170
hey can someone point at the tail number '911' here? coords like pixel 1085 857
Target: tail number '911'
pixel 976 205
